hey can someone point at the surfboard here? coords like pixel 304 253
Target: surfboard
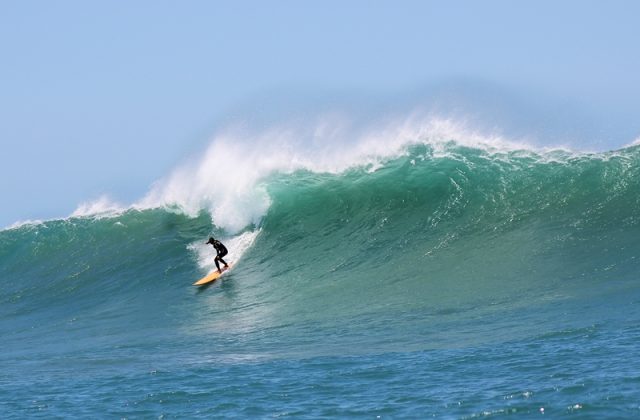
pixel 212 276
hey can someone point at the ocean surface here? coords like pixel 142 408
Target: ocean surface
pixel 443 279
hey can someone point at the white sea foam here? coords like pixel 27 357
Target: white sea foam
pixel 23 223
pixel 227 179
pixel 102 207
pixel 636 142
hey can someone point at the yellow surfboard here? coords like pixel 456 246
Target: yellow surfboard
pixel 212 276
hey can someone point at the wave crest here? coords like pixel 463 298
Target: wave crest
pixel 228 179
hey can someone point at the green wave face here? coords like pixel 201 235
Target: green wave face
pixel 455 234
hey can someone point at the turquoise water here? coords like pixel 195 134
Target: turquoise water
pixel 461 284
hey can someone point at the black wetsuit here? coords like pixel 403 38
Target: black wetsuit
pixel 222 251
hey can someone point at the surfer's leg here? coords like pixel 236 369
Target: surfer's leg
pixel 218 264
pixel 223 262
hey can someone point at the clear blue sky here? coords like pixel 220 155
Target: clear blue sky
pixel 107 96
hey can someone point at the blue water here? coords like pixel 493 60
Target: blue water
pixel 454 285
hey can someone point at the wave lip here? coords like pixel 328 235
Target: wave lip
pixel 228 180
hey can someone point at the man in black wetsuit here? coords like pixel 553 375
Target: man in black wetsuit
pixel 221 250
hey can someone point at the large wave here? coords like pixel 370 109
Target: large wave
pixel 418 232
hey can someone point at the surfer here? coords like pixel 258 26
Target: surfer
pixel 221 250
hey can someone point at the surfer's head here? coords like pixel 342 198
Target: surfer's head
pixel 210 241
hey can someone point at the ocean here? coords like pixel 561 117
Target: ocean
pixel 443 279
